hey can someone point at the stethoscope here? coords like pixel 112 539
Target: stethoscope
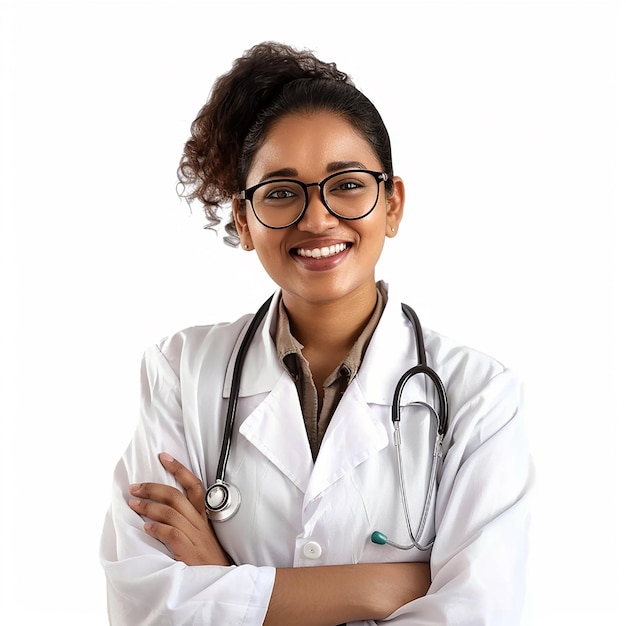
pixel 223 499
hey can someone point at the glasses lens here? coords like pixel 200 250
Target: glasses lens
pixel 351 194
pixel 278 202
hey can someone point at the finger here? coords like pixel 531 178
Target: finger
pixel 188 544
pixel 177 541
pixel 170 497
pixel 193 486
pixel 164 514
pixel 183 548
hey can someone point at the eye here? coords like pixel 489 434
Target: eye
pixel 279 194
pixel 347 185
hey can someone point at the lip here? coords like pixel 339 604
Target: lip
pixel 320 263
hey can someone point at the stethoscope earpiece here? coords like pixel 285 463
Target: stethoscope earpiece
pixel 222 501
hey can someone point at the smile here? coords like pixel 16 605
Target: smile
pixel 324 252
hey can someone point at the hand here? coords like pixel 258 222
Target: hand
pixel 178 519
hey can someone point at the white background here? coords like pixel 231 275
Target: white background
pixel 507 120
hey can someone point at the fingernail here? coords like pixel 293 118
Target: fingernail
pixel 133 488
pixel 166 457
pixel 134 502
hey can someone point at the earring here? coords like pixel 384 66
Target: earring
pixel 245 246
pixel 393 230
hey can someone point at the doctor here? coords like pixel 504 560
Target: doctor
pixel 305 161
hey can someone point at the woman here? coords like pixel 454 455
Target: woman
pixel 304 160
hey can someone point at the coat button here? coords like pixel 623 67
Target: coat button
pixel 312 550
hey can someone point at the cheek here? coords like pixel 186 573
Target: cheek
pixel 376 228
pixel 256 230
pixel 265 239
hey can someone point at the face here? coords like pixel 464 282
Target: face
pixel 322 258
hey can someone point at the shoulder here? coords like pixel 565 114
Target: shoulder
pixel 459 361
pixel 188 346
pixel 483 394
pixel 452 359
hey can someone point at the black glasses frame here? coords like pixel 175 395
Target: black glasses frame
pixel 246 194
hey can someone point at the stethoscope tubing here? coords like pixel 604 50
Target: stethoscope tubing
pixel 229 496
pixel 421 368
pixel 234 391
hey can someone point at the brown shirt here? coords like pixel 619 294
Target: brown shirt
pixel 317 415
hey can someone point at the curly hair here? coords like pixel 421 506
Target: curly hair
pixel 267 82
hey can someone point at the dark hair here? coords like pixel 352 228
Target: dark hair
pixel 270 80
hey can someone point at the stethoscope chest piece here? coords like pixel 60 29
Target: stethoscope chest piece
pixel 222 501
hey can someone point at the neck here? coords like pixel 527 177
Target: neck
pixel 332 326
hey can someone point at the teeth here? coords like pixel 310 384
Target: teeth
pixel 326 251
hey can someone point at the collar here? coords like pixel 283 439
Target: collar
pixel 391 352
pixel 287 344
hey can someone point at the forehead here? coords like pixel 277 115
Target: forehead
pixel 308 142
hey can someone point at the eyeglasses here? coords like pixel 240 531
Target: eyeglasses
pixel 348 195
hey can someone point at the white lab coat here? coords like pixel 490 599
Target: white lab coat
pixel 297 513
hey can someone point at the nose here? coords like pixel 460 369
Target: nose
pixel 317 218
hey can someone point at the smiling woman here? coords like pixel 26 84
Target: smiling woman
pixel 299 160
pixel 297 257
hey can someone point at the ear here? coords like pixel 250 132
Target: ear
pixel 240 217
pixel 395 207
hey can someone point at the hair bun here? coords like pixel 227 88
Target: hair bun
pixel 259 75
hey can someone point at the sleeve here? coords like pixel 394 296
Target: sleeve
pixel 478 560
pixel 145 585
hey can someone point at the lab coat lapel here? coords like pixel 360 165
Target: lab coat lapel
pixel 392 351
pixel 361 425
pixel 261 368
pixel 355 433
pixel 273 424
pixel 276 428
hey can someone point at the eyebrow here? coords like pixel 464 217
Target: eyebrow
pixel 334 166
